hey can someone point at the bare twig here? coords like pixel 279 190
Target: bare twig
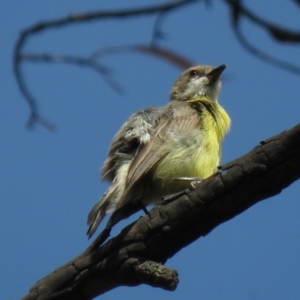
pixel 166 54
pixel 265 56
pixel 35 116
pixel 157 32
pixel 237 10
pixel 279 33
pixel 297 2
pixel 89 62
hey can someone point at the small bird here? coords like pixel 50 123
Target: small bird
pixel 159 150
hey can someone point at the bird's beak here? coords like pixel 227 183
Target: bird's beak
pixel 216 73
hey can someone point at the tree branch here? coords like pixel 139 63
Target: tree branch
pixel 159 52
pixel 278 33
pixel 136 255
pixel 89 62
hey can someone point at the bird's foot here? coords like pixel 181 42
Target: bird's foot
pixel 145 210
pixel 194 181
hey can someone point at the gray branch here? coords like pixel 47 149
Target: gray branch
pixel 136 256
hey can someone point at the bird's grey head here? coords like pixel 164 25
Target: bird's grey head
pixel 197 81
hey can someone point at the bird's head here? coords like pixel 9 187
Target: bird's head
pixel 198 82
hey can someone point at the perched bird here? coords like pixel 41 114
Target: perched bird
pixel 159 150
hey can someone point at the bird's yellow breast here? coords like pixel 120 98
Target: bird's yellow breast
pixel 196 154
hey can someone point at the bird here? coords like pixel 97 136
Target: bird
pixel 159 151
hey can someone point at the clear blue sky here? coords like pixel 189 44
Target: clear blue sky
pixel 49 181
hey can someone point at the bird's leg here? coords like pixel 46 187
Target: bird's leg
pixel 145 210
pixel 193 181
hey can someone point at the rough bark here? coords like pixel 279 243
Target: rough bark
pixel 138 253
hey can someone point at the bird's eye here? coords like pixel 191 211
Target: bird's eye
pixel 193 73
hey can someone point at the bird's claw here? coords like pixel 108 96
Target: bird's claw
pixel 194 180
pixel 194 183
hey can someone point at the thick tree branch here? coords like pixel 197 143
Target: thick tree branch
pixel 136 255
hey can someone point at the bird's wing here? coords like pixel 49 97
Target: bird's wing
pixel 149 154
pixel 136 130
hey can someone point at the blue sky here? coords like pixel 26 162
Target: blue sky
pixel 49 181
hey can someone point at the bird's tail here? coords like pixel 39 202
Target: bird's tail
pixel 109 201
pixel 98 212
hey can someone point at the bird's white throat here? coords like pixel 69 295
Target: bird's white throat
pixel 201 86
